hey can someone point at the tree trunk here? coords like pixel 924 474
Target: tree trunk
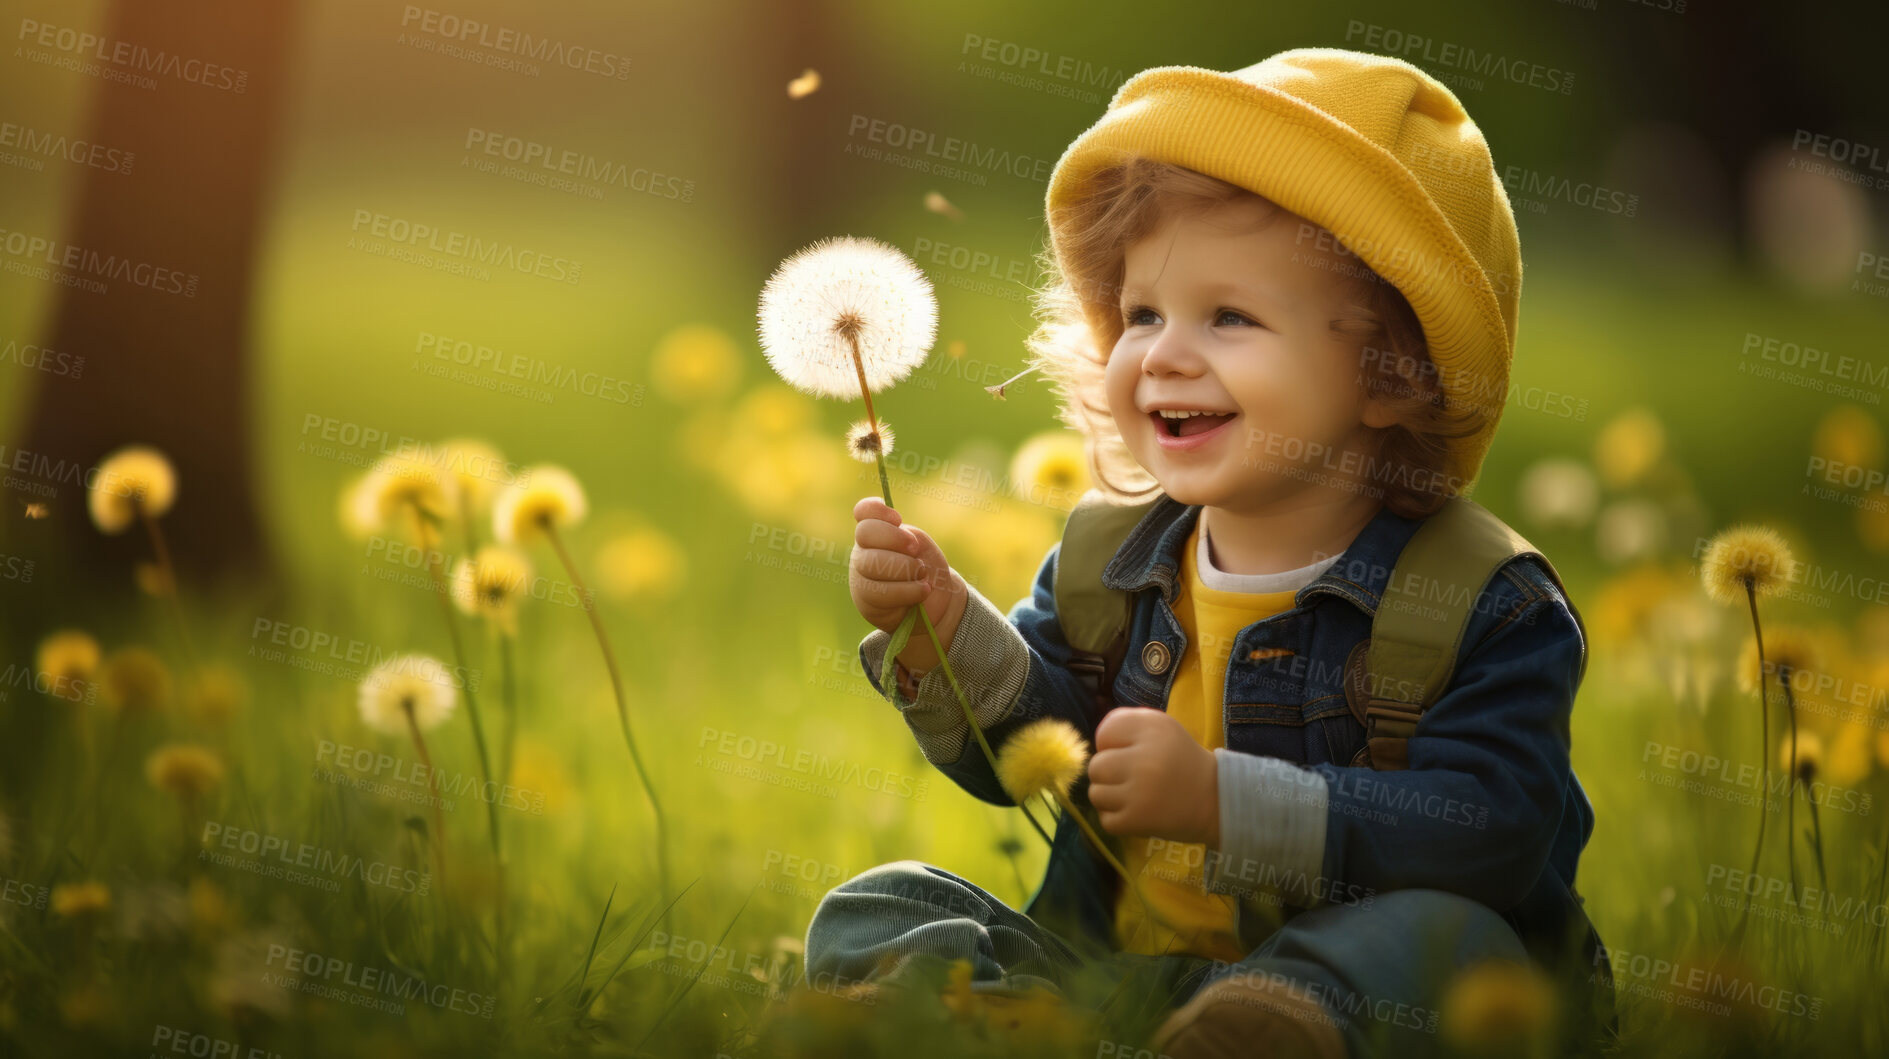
pixel 164 366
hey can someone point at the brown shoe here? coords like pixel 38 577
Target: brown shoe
pixel 1242 1016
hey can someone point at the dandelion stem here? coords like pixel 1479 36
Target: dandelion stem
pixel 1790 821
pixel 439 820
pixel 1816 840
pixel 623 706
pixel 168 571
pixel 508 682
pixel 885 490
pixel 998 390
pixel 1764 753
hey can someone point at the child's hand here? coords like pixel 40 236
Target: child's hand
pixel 1149 777
pixel 895 566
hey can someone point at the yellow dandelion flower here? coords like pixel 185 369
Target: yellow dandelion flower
pixel 1747 558
pixel 844 308
pixel 68 663
pixel 642 563
pixel 1628 446
pixel 491 584
pixel 220 694
pixel 1790 653
pixel 546 496
pixel 538 772
pixel 774 411
pixel 1044 757
pixel 1498 1005
pixel 1052 468
pixel 136 680
pixel 184 769
pixel 1847 436
pixel 1809 754
pixel 866 444
pixel 1872 526
pixel 135 480
pixel 471 471
pixel 79 900
pixel 408 684
pixel 1848 762
pixel 695 362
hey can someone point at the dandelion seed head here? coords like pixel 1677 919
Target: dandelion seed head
pixel 840 293
pixel 184 769
pixel 134 480
pixel 408 682
pixel 1046 756
pixel 400 492
pixel 491 584
pixel 68 660
pixel 1746 557
pixel 866 443
pixel 547 496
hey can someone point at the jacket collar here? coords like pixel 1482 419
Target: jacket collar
pixel 1151 556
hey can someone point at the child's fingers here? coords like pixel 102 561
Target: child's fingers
pixel 873 507
pixel 890 595
pixel 927 549
pixel 1108 768
pixel 878 533
pixel 879 564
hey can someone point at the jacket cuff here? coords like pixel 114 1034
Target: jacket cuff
pixel 991 661
pixel 1272 830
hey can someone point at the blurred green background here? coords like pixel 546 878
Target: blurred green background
pixel 720 502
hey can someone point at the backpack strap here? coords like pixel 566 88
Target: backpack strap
pixel 1094 617
pixel 1417 632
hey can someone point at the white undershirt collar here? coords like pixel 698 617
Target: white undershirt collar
pixel 1286 581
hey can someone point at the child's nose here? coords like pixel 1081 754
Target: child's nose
pixel 1172 354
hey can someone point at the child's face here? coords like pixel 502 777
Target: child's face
pixel 1225 317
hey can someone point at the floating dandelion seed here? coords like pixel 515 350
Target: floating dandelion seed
pixel 844 313
pixel 547 498
pixel 805 85
pixel 867 443
pixel 1044 758
pixel 184 769
pixel 942 206
pixel 408 691
pixel 997 391
pixel 134 482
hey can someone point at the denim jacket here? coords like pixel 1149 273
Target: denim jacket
pixel 1489 807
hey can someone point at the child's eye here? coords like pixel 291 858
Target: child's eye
pixel 1132 316
pixel 1239 319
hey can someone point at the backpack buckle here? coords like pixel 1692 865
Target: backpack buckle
pixel 1389 724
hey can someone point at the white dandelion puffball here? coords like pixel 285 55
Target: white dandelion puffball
pixel 408 682
pixel 842 291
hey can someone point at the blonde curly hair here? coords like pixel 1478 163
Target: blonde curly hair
pixel 1079 321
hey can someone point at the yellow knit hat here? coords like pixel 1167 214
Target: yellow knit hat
pixel 1370 147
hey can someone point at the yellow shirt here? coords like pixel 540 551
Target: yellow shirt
pixel 1189 919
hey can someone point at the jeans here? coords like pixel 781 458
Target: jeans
pixel 1379 967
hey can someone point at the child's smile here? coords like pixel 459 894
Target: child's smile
pixel 1228 375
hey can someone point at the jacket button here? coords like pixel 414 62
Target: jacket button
pixel 1155 656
